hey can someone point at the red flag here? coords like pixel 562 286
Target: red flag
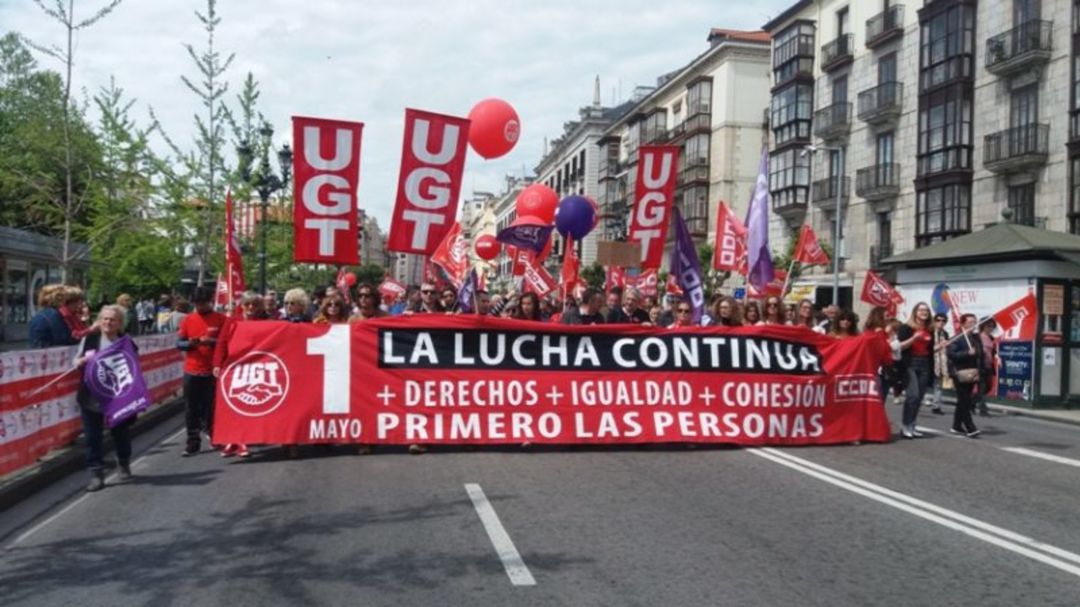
pixel 520 258
pixel 644 283
pixel 615 277
pixel 775 287
pixel 571 267
pixel 391 289
pixel 327 173
pixel 1019 313
pixel 432 162
pixel 221 293
pixel 452 255
pixel 878 292
pixel 672 286
pixel 808 251
pixel 730 251
pixel 537 278
pixel 234 261
pixel 653 194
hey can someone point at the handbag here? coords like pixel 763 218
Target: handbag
pixel 967 376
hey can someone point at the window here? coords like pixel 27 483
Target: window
pixel 887 68
pixel 945 131
pixel 793 52
pixel 884 232
pixel 696 150
pixel 1022 203
pixel 1025 10
pixel 843 22
pixel 947 46
pixel 1024 106
pixel 789 178
pixel 839 90
pixel 695 208
pixel 941 213
pixel 699 98
pixel 884 148
pixel 792 109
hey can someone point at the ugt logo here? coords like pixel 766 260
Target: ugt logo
pixel 256 384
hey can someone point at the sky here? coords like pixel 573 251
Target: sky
pixel 367 61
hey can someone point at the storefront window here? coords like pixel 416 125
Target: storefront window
pixel 16 308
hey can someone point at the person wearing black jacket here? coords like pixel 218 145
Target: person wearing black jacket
pixel 629 312
pixel 965 353
pixel 111 322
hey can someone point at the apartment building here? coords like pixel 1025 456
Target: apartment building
pixel 712 108
pixel 922 121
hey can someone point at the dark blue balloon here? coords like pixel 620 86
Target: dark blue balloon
pixel 576 216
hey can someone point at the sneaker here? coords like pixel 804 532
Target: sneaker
pixel 97 481
pixel 415 449
pixel 907 432
pixel 937 411
pixel 243 451
pixel 123 473
pixel 189 451
pixel 916 434
pixel 974 433
pixel 228 450
pixel 955 431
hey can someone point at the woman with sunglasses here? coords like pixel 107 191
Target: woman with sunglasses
pixel 916 341
pixel 774 312
pixel 367 304
pixel 251 309
pixel 332 311
pixel 684 315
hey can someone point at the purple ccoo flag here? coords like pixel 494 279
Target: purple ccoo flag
pixel 114 378
pixel 759 262
pixel 686 268
pixel 467 294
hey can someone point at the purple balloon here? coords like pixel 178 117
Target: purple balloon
pixel 576 216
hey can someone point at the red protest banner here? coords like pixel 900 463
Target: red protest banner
pixel 432 162
pixel 468 379
pixel 327 173
pixel 653 195
pixel 645 283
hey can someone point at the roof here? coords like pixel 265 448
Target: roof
pixel 740 35
pixel 787 14
pixel 1001 242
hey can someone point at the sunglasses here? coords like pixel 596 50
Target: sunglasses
pixel 683 310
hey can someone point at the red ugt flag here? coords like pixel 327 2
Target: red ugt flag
pixel 1018 313
pixel 878 292
pixel 653 196
pixel 808 251
pixel 452 255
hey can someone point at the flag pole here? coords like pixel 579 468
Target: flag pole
pixel 787 279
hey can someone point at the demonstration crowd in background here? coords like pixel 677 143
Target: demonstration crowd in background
pixel 926 358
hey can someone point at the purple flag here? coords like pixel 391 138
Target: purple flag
pixel 467 293
pixel 686 268
pixel 759 262
pixel 114 378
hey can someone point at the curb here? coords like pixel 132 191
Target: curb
pixel 67 460
pixel 1050 415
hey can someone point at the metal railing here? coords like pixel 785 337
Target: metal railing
pixel 884 97
pixel 837 50
pixel 824 190
pixel 1020 141
pixel 884 23
pixel 832 119
pixel 879 252
pixel 1031 36
pixel 877 179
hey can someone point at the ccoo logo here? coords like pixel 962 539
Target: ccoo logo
pixel 256 384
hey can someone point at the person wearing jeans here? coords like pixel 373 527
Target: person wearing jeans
pixel 916 342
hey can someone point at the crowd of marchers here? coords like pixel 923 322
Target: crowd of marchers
pixel 926 359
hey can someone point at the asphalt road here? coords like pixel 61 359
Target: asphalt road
pixel 936 521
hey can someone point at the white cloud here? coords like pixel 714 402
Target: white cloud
pixel 367 61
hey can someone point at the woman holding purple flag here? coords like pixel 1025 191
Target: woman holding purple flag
pixel 111 323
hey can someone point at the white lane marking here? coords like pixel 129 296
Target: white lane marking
pixel 1046 456
pixel 511 559
pixel 80 499
pixel 986 532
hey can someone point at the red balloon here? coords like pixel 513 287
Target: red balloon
pixel 539 201
pixel 350 279
pixel 494 128
pixel 487 247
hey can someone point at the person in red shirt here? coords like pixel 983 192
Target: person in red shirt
pixel 252 307
pixel 916 342
pixel 197 337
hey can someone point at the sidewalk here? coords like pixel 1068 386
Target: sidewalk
pixel 1064 416
pixel 21 484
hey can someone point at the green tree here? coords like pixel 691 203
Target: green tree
pixel 70 206
pixel 371 273
pixel 594 275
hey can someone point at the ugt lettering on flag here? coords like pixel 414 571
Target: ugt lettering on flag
pixel 327 172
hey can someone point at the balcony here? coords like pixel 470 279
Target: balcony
pixel 833 122
pixel 790 204
pixel 879 252
pixel 695 172
pixel 698 123
pixel 1017 149
pixel 1022 48
pixel 823 192
pixel 885 26
pixel 878 182
pixel 881 105
pixel 609 169
pixel 838 53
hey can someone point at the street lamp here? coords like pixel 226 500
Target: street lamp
pixel 838 211
pixel 265 182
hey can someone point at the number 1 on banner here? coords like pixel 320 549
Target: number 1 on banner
pixel 334 347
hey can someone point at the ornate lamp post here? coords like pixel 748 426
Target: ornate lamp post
pixel 265 182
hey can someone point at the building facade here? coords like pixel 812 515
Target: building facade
pixel 923 122
pixel 711 108
pixel 29 261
